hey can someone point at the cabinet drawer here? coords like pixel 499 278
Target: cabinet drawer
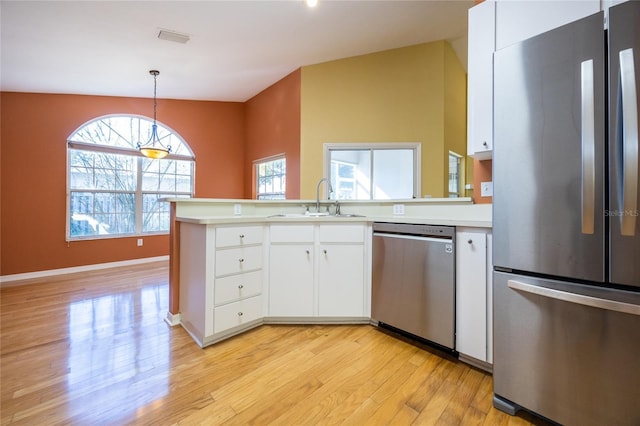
pixel 238 236
pixel 237 260
pixel 237 313
pixel 236 287
pixel 339 233
pixel 292 233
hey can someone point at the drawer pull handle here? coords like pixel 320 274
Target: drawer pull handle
pixel 240 260
pixel 240 314
pixel 240 286
pixel 241 235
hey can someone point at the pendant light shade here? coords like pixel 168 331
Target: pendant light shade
pixel 154 148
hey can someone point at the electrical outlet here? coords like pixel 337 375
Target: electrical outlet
pixel 486 189
pixel 139 242
pixel 398 209
pixel 237 209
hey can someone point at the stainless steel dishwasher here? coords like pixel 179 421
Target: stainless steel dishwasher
pixel 413 280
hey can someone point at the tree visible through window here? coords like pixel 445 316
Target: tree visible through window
pixel 112 189
pixel 271 178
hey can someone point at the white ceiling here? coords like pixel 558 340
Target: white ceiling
pixel 237 48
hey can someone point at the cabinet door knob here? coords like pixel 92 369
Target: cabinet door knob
pixel 308 252
pixel 239 314
pixel 485 144
pixel 470 241
pixel 240 286
pixel 324 251
pixel 241 235
pixel 240 260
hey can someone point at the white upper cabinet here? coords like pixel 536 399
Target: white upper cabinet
pixel 520 20
pixel 480 80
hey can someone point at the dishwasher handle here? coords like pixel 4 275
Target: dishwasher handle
pixel 414 237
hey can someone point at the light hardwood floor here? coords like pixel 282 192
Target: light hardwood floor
pixel 92 349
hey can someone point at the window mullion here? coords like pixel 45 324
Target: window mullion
pixel 138 213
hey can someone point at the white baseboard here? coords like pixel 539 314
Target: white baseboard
pixel 172 319
pixel 10 280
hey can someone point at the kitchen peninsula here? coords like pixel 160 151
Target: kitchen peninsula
pixel 236 264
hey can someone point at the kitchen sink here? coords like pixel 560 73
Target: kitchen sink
pixel 314 215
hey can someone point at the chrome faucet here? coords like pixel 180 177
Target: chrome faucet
pixel 324 179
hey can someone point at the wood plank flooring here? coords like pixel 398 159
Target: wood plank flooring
pixel 92 349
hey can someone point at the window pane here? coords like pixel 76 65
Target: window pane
pixel 454 175
pixel 271 179
pixel 393 174
pixel 155 213
pixel 351 174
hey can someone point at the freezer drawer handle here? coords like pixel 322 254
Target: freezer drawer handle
pixel 588 147
pixel 581 299
pixel 629 143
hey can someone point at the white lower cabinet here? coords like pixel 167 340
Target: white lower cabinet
pixel 291 280
pixel 221 277
pixel 473 295
pixel 318 270
pixel 230 281
pixel 341 290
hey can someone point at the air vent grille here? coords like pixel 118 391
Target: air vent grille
pixel 173 36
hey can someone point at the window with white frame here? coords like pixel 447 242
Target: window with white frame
pixel 376 171
pixel 455 165
pixel 112 189
pixel 271 176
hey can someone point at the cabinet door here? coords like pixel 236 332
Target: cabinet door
pixel 291 280
pixel 480 80
pixel 341 280
pixel 471 294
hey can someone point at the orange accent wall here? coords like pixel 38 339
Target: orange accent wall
pixel 34 131
pixel 482 172
pixel 273 127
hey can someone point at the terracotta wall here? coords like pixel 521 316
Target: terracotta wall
pixel 272 127
pixel 482 172
pixel 34 131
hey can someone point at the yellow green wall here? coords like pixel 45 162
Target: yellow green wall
pixel 411 94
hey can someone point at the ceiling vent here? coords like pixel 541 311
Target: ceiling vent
pixel 173 36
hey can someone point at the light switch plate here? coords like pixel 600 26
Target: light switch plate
pixel 237 209
pixel 398 209
pixel 486 189
pixel 139 242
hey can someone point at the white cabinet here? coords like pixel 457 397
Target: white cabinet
pixel 480 80
pixel 341 271
pixel 474 295
pixel 318 270
pixel 519 20
pixel 221 277
pixel 291 280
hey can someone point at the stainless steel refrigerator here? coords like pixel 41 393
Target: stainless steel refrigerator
pixel 566 222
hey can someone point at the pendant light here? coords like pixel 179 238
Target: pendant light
pixel 154 148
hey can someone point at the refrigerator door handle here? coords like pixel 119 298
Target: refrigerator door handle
pixel 629 144
pixel 588 147
pixel 581 299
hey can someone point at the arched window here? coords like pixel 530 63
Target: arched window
pixel 112 189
